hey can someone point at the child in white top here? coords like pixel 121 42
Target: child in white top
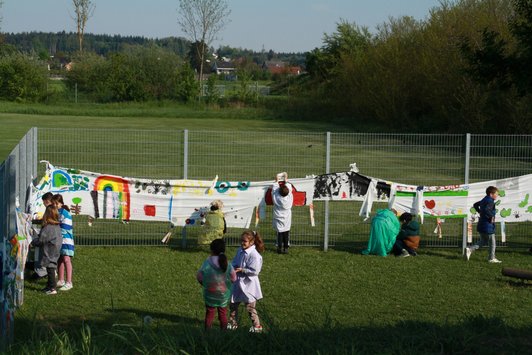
pixel 283 200
pixel 247 264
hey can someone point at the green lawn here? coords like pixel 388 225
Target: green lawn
pixel 314 302
pixel 16 119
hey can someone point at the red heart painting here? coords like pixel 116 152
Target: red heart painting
pixel 430 204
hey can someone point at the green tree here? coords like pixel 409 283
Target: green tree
pixel 135 74
pixel 186 85
pixel 88 74
pixel 501 67
pixel 22 78
pixel 195 60
pixel 201 21
pixel 212 94
pixel 349 40
pixel 410 74
pixel 521 29
pixel 243 93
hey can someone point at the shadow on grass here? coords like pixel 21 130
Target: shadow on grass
pixel 473 335
pixel 454 255
pixel 518 283
pixel 141 314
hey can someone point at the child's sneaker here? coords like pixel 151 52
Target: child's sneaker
pixel 60 283
pixel 255 329
pixel 232 326
pixel 51 292
pixel 404 253
pixel 467 253
pixel 66 287
pixel 494 261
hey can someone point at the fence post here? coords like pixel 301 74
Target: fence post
pixel 185 154
pixel 22 173
pixel 35 152
pixel 327 171
pixel 466 181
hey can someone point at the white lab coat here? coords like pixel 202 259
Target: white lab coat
pixel 282 208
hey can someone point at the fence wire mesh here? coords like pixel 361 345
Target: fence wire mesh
pixel 419 159
pixel 16 173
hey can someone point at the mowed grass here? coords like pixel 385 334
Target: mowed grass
pixel 16 119
pixel 314 302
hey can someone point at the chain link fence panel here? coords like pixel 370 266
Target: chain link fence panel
pixel 419 159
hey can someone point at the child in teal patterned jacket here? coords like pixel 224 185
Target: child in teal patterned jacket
pixel 216 276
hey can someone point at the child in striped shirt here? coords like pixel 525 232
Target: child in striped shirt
pixel 67 247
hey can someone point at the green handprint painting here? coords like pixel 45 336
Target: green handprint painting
pixel 525 201
pixel 505 212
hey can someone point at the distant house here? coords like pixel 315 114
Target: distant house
pixel 280 67
pixel 223 67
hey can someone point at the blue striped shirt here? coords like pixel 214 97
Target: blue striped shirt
pixel 65 222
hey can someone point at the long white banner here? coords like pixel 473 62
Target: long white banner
pixel 180 202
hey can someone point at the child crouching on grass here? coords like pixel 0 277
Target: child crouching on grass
pixel 216 277
pixel 247 264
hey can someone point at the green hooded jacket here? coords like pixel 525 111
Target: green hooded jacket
pixel 213 228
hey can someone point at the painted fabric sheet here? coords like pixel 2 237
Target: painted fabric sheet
pixel 348 186
pixel 515 199
pixel 180 202
pixel 434 201
pixel 12 271
pixel 456 201
pixel 23 238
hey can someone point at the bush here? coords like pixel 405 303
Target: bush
pixel 22 78
pixel 137 74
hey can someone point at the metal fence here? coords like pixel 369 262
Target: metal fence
pixel 421 159
pixel 229 90
pixel 15 176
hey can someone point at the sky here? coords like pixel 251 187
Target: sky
pixel 280 25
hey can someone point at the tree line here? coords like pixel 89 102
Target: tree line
pixel 45 44
pixel 465 68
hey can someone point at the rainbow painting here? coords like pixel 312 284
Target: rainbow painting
pixel 118 186
pixel 61 179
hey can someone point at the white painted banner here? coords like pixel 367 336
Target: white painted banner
pixel 180 202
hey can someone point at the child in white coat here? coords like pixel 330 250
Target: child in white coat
pixel 283 200
pixel 247 264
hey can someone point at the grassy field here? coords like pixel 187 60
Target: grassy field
pixel 314 303
pixel 16 119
